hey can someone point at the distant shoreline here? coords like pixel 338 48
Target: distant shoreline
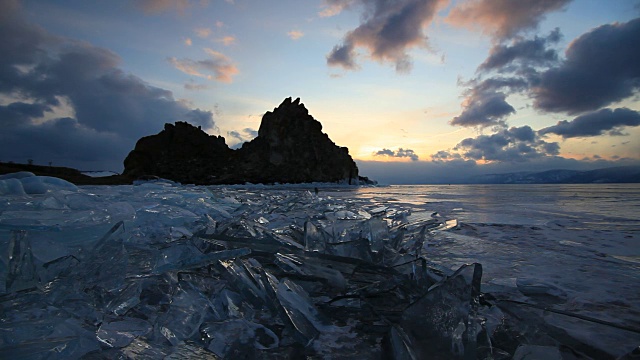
pixel 616 175
pixel 71 175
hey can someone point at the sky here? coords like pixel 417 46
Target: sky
pixel 419 91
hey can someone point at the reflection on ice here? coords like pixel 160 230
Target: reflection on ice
pixel 160 270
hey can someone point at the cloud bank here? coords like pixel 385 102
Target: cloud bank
pixel 516 144
pixel 107 110
pixel 599 69
pixel 595 123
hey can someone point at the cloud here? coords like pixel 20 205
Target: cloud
pixel 334 7
pixel 202 32
pixel 227 40
pixel 400 153
pixel 112 109
pixel 512 69
pixel 533 52
pixel 221 66
pixel 503 19
pixel 601 67
pixel 152 7
pixel 388 30
pixel 191 85
pixel 243 136
pixel 188 42
pixel 483 109
pixel 295 34
pixel 595 123
pixel 516 144
pixel 19 113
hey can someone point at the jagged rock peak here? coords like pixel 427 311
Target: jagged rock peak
pixel 290 148
pixel 290 116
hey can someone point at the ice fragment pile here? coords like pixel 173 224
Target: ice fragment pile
pixel 160 270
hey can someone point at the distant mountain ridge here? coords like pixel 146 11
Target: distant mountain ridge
pixel 620 174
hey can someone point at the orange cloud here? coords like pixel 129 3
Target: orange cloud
pixel 188 42
pixel 202 32
pixel 333 7
pixel 502 19
pixel 295 34
pixel 227 40
pixel 218 66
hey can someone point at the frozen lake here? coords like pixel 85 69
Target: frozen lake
pixel 161 269
pixel 582 239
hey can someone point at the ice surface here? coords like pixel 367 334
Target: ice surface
pixel 27 183
pixel 161 270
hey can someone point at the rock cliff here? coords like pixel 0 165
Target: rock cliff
pixel 180 152
pixel 290 148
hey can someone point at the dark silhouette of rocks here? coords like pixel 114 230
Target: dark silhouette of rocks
pixel 290 148
pixel 180 152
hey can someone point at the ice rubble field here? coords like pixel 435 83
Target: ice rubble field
pixel 160 270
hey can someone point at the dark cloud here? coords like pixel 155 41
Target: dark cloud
pixel 595 123
pixel 534 52
pixel 400 153
pixel 65 142
pixel 18 113
pixel 110 109
pixel 388 30
pixel 512 69
pixel 601 67
pixel 516 144
pixel 344 56
pixel 484 108
pixel 503 19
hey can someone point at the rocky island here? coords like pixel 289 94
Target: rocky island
pixel 290 148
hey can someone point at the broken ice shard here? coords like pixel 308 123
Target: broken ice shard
pixel 187 311
pixel 299 309
pixel 200 261
pixel 401 345
pixel 241 276
pixel 309 266
pixel 121 332
pixel 314 239
pixel 443 321
pixel 125 299
pixel 22 271
pixel 238 338
pixel 377 234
